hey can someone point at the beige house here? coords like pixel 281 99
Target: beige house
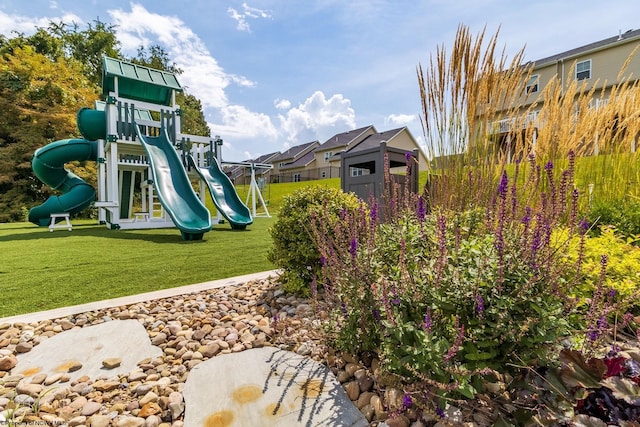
pixel 327 159
pixel 289 165
pixel 595 65
pixel 312 160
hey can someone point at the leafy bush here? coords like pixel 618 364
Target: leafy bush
pixel 623 214
pixel 622 265
pixel 293 249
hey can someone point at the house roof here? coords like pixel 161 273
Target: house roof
pixel 265 158
pixel 621 38
pixel 302 161
pixel 294 152
pixel 374 140
pixel 344 139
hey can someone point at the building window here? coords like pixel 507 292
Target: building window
pixel 583 70
pixel 296 177
pixel 327 156
pixel 281 164
pixel 357 171
pixel 532 84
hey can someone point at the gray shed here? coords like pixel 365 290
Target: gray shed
pixel 362 169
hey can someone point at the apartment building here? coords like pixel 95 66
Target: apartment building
pixel 594 66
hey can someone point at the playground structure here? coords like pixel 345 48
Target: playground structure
pixel 140 156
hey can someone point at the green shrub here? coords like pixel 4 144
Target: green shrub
pixel 293 249
pixel 623 214
pixel 622 266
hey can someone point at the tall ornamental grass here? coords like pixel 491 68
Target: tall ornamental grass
pixel 467 93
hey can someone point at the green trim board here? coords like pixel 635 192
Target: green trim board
pixel 138 82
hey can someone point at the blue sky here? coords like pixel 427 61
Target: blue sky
pixel 276 73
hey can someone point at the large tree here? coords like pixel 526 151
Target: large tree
pixel 39 99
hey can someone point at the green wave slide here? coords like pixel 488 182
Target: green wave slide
pixel 173 187
pixel 48 165
pixel 224 194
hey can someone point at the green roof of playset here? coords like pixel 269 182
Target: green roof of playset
pixel 138 82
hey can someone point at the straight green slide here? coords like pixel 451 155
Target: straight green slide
pixel 224 194
pixel 173 187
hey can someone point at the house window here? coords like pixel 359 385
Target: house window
pixel 327 156
pixel 598 103
pixel 281 164
pixel 532 84
pixel 296 177
pixel 583 70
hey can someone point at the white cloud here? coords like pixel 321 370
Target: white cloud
pixel 247 12
pixel 400 119
pixel 202 76
pixel 10 24
pixel 239 122
pixel 317 118
pixel 282 104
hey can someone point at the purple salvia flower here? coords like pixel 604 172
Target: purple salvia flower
pixel 343 307
pixel 407 402
pixel 440 412
pixel 480 305
pixel 422 209
pixel 504 185
pixel 596 330
pixel 373 214
pixel 395 300
pixel 353 248
pixel 376 314
pixel 549 166
pixel 427 321
pixel 584 226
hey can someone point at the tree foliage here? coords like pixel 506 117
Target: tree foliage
pixel 39 99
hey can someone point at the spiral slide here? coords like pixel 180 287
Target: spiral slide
pixel 224 194
pixel 173 187
pixel 48 165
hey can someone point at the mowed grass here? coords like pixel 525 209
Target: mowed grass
pixel 41 270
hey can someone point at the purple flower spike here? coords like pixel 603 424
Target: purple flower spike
pixel 427 321
pixel 353 249
pixel 479 304
pixel 504 185
pixel 407 402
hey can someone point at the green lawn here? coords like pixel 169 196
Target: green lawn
pixel 40 270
